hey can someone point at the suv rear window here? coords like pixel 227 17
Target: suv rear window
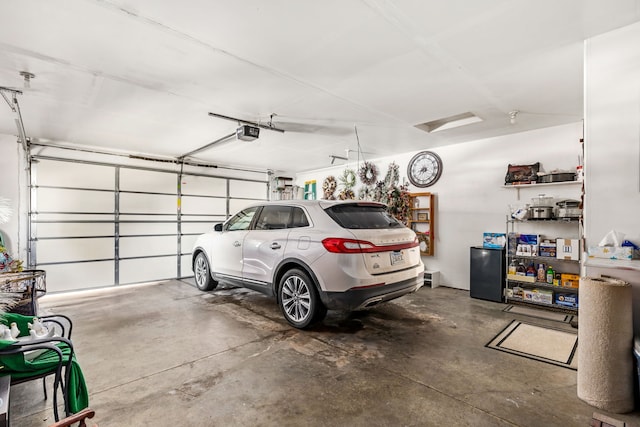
pixel 362 216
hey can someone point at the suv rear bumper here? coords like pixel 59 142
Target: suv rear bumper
pixel 355 299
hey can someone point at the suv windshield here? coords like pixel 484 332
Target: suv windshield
pixel 362 216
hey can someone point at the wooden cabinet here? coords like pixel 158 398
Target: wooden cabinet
pixel 421 220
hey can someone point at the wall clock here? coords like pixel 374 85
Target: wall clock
pixel 424 169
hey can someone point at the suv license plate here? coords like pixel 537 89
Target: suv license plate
pixel 396 257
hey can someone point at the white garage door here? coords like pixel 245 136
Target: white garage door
pixel 97 225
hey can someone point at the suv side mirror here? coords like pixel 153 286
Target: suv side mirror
pixel 217 227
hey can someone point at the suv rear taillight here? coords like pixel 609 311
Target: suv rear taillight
pixel 338 245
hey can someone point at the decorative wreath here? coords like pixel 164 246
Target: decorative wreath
pixel 399 203
pixel 329 187
pixel 329 183
pixel 348 179
pixel 366 192
pixel 368 173
pixel 379 192
pixel 392 178
pixel 346 194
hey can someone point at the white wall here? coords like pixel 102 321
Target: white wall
pixel 470 194
pixel 612 147
pixel 612 133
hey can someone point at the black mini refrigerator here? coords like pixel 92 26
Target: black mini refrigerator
pixel 487 273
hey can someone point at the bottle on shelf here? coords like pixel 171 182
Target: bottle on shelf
pixel 521 270
pixel 531 270
pixel 513 267
pixel 550 275
pixel 542 273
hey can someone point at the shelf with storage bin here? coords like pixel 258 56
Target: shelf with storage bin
pixel 421 220
pixel 431 278
pixel 542 184
pixel 545 285
pixel 553 307
pixel 282 188
pixel 531 290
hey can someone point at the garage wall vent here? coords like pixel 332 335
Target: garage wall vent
pixel 449 122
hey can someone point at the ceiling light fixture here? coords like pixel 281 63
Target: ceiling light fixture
pixel 512 116
pixel 27 78
pixel 449 122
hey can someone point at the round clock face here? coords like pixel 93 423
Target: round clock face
pixel 424 169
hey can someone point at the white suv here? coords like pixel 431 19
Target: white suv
pixel 312 255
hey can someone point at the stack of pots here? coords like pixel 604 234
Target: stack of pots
pixel 541 207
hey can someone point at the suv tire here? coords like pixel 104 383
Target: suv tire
pixel 202 273
pixel 299 300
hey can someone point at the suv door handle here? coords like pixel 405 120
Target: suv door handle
pixel 275 245
pixel 236 243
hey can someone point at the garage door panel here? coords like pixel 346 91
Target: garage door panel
pixel 68 250
pixel 81 208
pixel 56 173
pixel 199 227
pixel 247 189
pixel 236 205
pixel 148 203
pixel 148 228
pixel 162 217
pixel 207 218
pixel 78 217
pixel 66 200
pixel 87 275
pixel 204 186
pixel 186 244
pixel 148 181
pixel 203 205
pixel 147 246
pixel 187 269
pixel 148 270
pixel 73 229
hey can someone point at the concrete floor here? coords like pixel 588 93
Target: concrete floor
pixel 169 355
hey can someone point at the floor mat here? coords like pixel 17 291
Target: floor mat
pixel 549 345
pixel 539 313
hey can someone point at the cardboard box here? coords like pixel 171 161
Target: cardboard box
pixel 567 299
pixel 568 249
pixel 613 252
pixel 520 278
pixel 494 240
pixel 541 296
pixel 517 292
pixel 547 248
pixel 527 294
pixel 528 245
pixel 569 280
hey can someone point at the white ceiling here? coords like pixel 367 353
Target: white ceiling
pixel 142 75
